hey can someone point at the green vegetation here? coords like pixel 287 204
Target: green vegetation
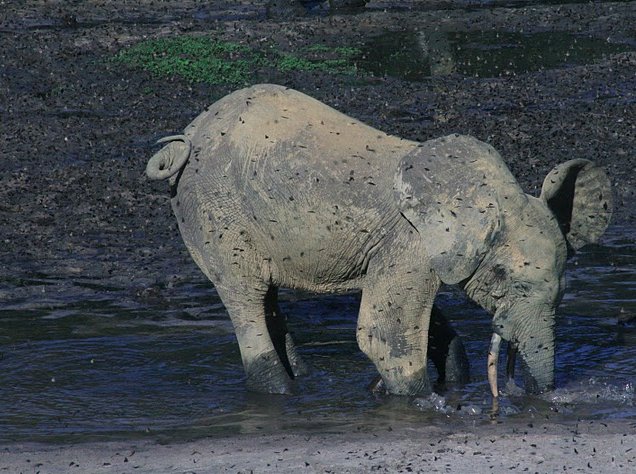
pixel 322 58
pixel 348 51
pixel 290 62
pixel 204 59
pixel 194 58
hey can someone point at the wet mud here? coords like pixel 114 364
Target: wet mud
pixel 80 222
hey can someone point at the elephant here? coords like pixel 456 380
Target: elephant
pixel 272 188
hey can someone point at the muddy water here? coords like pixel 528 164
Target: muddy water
pixel 415 55
pixel 88 357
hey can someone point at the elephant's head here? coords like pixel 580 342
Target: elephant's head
pixel 507 249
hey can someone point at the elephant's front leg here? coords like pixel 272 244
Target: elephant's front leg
pixel 250 305
pixel 393 326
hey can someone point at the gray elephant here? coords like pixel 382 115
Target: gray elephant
pixel 272 188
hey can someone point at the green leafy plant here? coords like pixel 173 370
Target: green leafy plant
pixel 204 59
pixel 290 62
pixel 321 58
pixel 318 48
pixel 195 58
pixel 348 52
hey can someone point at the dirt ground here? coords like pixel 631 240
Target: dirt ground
pixel 77 130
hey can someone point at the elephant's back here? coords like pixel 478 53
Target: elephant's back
pixel 272 125
pixel 273 142
pixel 301 173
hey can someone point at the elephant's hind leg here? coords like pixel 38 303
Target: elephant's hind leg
pixel 260 337
pixel 281 338
pixel 446 350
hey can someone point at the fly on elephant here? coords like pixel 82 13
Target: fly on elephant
pixel 272 188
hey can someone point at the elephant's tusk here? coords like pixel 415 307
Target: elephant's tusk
pixel 377 386
pixel 493 357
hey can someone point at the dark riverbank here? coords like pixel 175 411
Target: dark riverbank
pixel 78 128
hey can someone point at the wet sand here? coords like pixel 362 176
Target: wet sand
pixel 77 132
pixel 586 447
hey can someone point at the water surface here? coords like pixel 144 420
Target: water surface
pixel 91 356
pixel 415 55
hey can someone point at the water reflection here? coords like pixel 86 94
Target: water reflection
pixel 92 358
pixel 416 55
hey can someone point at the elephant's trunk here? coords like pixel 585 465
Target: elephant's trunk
pixel 170 159
pixel 535 344
pixel 530 335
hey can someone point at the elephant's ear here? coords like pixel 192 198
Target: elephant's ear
pixel 579 194
pixel 446 190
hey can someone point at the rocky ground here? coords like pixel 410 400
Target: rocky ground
pixel 77 130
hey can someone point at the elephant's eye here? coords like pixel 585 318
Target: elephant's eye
pixel 499 273
pixel 521 288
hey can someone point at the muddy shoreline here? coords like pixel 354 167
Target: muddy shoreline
pixel 584 447
pixel 77 130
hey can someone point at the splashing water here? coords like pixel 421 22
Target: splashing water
pixel 593 391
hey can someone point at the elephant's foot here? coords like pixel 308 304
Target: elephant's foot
pixel 266 374
pixel 395 383
pixel 378 387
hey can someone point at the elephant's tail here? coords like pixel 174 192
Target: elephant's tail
pixel 170 159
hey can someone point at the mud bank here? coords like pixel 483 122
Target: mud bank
pixel 586 447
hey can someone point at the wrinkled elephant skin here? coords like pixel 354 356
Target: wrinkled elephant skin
pixel 272 188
